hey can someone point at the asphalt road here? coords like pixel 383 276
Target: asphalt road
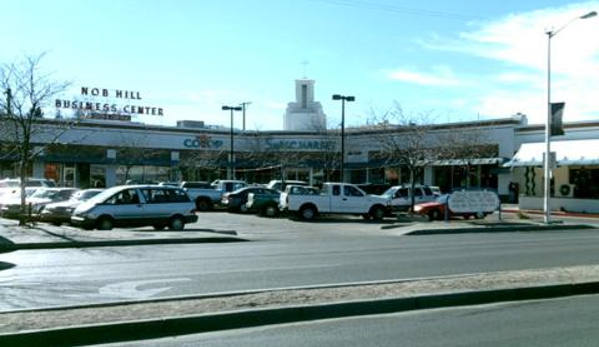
pixel 83 276
pixel 560 322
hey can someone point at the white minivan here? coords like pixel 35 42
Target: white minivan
pixel 135 206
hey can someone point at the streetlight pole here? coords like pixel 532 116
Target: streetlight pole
pixel 343 99
pixel 546 162
pixel 231 175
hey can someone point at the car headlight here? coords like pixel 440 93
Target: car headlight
pixel 417 208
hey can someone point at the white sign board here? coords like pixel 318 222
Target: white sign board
pixel 465 201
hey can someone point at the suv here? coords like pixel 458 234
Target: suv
pixel 400 197
pixel 136 205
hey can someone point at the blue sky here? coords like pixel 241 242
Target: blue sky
pixel 462 60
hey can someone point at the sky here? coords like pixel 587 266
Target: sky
pixel 459 60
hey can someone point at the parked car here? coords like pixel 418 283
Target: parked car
pixel 373 188
pixel 136 205
pixel 10 201
pixel 9 186
pixel 266 204
pixel 37 200
pixel 463 203
pixel 29 182
pixel 236 201
pixel 280 185
pixel 60 212
pixel 400 197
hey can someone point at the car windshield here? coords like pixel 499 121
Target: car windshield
pixel 101 197
pixel 46 194
pixel 9 184
pixel 389 192
pixel 85 195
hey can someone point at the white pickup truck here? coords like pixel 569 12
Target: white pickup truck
pixel 206 197
pixel 335 198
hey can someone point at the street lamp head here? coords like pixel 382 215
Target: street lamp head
pixel 232 108
pixel 343 97
pixel 589 15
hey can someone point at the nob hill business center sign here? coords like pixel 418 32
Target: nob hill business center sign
pixel 101 103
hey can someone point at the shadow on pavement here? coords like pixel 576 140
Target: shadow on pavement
pixel 6 266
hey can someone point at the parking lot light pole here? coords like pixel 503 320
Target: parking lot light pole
pixel 546 162
pixel 343 99
pixel 231 174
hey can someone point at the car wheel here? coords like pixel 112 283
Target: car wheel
pixel 104 223
pixel 366 216
pixel 479 215
pixel 243 208
pixel 203 205
pixel 377 213
pixel 176 223
pixel 308 213
pixel 434 215
pixel 467 216
pixel 270 211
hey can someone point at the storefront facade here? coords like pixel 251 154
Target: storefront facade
pixel 104 154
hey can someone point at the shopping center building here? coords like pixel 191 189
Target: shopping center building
pixel 104 153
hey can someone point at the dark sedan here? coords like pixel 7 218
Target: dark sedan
pixel 236 201
pixel 60 212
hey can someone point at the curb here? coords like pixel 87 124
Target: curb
pixel 113 243
pixel 174 326
pixel 502 229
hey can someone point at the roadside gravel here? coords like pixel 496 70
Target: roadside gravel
pixel 57 318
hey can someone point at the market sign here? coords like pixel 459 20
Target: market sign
pixel 202 141
pixel 322 145
pixel 102 104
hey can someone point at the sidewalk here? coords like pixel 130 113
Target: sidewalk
pixel 43 235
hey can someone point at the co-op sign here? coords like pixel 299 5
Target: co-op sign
pixel 102 100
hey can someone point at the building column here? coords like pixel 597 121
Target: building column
pixel 428 175
pixel 39 169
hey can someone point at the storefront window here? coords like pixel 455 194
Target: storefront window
pixel 52 172
pixel 142 174
pixel 97 175
pixel 586 182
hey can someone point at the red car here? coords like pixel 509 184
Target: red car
pixel 435 210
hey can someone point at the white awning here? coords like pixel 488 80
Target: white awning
pixel 573 152
pixel 464 162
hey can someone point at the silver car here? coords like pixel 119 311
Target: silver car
pixel 134 206
pixel 60 212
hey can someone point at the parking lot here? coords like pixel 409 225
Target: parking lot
pixel 255 227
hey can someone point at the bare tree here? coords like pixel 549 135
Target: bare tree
pixel 405 140
pixel 27 91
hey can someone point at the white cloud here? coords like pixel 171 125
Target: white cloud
pixel 440 77
pixel 519 43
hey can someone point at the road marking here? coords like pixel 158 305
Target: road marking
pixel 130 289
